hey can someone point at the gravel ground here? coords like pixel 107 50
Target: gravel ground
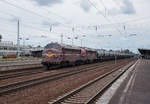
pixel 43 93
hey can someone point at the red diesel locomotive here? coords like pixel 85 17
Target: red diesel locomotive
pixel 56 54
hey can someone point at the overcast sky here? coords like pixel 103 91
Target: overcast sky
pixel 108 24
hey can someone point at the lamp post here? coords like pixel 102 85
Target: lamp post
pixel 18 40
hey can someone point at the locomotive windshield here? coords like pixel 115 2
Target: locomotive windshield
pixel 52 46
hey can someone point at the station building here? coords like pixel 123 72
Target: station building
pixel 145 53
pixel 8 48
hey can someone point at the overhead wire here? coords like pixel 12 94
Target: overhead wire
pixel 41 16
pixel 36 28
pixel 82 26
pixel 16 6
pixel 101 1
pixel 57 15
pixel 46 17
pixel 104 15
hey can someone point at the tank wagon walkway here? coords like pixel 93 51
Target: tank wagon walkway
pixel 136 88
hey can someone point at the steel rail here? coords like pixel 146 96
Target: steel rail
pixel 25 71
pixel 21 85
pixel 76 91
pixel 99 93
pixel 22 72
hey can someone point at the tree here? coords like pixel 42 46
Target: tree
pixel 0 37
pixel 38 46
pixel 127 51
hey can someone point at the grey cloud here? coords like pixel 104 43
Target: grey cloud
pixel 126 8
pixel 85 5
pixel 47 2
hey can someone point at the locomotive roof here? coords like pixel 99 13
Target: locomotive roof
pixel 74 47
pixel 90 49
pixel 68 46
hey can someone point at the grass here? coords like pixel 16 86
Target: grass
pixel 18 59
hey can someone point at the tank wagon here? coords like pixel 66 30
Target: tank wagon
pixel 56 54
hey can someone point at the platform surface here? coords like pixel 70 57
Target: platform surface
pixel 136 88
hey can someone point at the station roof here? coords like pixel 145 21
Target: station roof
pixel 144 51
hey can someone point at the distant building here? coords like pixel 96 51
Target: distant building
pixel 37 51
pixel 8 48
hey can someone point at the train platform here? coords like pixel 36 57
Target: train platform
pixel 20 62
pixel 132 88
pixel 13 65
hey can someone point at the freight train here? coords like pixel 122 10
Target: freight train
pixel 56 54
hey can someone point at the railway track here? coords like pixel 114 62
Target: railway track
pixel 23 72
pixel 5 89
pixel 88 93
